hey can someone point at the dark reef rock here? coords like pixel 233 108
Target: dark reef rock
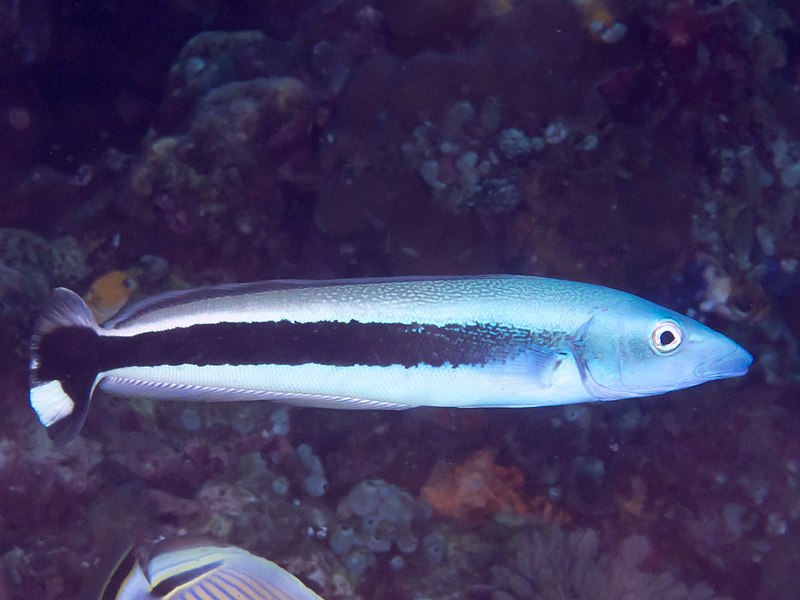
pixel 647 145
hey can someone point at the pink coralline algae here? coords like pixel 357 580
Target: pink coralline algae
pixel 476 489
pixel 38 474
pixel 245 135
pixel 43 488
pixel 552 564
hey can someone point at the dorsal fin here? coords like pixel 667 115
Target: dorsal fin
pixel 174 562
pixel 176 580
pixel 64 308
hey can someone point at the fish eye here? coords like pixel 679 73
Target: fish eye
pixel 667 336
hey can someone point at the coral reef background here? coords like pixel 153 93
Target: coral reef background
pixel 648 145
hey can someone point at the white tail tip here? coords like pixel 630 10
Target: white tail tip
pixel 51 402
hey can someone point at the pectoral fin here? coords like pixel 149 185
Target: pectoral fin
pixel 537 365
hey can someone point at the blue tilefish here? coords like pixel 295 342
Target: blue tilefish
pixel 488 341
pixel 185 568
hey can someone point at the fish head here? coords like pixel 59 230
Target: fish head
pixel 641 349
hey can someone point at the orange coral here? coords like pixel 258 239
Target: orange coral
pixel 476 489
pixel 634 503
pixel 541 508
pixel 599 20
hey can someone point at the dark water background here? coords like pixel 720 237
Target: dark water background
pixel 648 145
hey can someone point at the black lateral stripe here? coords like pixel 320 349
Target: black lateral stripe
pixel 326 342
pixel 69 354
pixel 171 583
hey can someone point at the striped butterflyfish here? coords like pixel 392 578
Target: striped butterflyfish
pixel 187 568
pixel 490 341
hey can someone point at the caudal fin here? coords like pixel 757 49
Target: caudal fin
pixel 63 366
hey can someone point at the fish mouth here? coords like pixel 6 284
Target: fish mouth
pixel 732 364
